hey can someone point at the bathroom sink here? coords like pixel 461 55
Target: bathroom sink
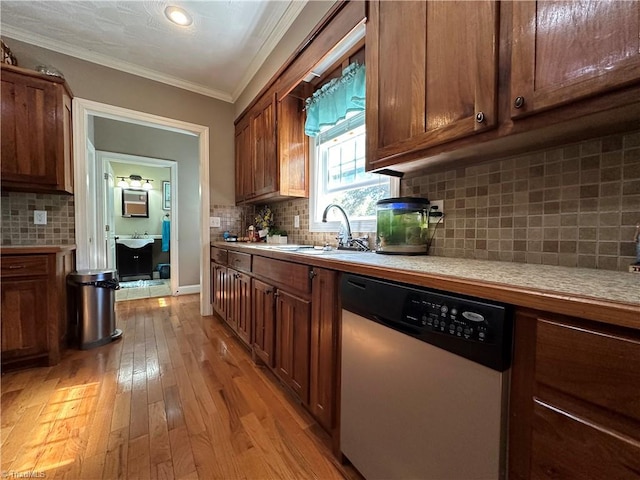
pixel 135 242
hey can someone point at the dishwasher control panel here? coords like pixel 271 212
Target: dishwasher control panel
pixel 450 317
pixel 479 330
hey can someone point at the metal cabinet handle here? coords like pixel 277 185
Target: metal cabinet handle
pixel 312 274
pixel 518 102
pixel 15 267
pixel 480 117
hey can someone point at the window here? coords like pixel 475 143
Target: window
pixel 338 176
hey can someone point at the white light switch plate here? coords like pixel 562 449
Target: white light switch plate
pixel 39 217
pixel 214 222
pixel 296 221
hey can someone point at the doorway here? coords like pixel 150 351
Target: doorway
pixel 90 253
pixel 153 277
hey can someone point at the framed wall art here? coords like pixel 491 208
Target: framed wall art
pixel 166 195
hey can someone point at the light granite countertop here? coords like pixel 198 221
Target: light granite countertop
pixel 601 295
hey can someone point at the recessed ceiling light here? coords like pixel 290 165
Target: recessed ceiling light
pixel 179 16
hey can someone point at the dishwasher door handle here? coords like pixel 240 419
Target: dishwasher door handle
pixel 402 327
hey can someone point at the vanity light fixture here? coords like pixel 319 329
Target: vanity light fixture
pixel 135 181
pixel 178 15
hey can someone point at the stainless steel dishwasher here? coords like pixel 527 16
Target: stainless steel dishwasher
pixel 424 382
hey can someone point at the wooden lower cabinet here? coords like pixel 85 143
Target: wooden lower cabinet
pixel 34 307
pixel 290 322
pixel 219 289
pixel 23 304
pixel 574 408
pixel 264 321
pixel 324 346
pixel 293 319
pixel 239 313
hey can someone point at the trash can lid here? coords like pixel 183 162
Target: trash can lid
pixel 85 276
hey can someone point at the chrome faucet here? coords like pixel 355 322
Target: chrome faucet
pixel 348 243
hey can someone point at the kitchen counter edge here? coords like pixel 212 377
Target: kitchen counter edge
pixel 583 306
pixel 34 249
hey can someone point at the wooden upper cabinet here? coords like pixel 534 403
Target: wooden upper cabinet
pixel 263 139
pixel 36 132
pixel 293 148
pixel 565 51
pixel 431 74
pixel 244 174
pixel 272 151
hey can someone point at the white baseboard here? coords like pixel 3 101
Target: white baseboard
pixel 187 290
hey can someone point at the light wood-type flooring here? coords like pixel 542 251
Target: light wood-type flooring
pixel 176 397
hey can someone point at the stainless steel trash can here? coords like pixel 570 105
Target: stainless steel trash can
pixel 92 315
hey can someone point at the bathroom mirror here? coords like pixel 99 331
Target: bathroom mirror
pixel 135 203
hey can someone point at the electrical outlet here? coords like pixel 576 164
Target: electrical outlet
pixel 214 222
pixel 440 205
pixel 39 217
pixel 296 221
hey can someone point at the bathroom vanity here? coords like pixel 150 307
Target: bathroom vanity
pixel 134 257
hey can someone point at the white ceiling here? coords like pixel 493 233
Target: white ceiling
pixel 216 56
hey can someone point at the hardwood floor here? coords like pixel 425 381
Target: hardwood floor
pixel 176 397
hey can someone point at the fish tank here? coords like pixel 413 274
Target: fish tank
pixel 402 226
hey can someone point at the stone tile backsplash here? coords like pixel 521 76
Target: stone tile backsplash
pixel 233 219
pixel 17 219
pixel 575 205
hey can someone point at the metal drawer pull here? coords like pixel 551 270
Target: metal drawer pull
pixel 15 267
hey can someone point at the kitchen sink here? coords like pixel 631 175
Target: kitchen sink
pixel 135 242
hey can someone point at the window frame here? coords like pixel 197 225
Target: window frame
pixel 360 226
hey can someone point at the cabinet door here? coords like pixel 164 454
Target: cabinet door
pixel 324 329
pixel 144 259
pixel 244 162
pixel 264 310
pixel 241 286
pixel 293 148
pixel 263 139
pixel 424 89
pixel 564 51
pixel 574 389
pixel 24 317
pixel 29 131
pixel 292 342
pixel 126 264
pixel 219 294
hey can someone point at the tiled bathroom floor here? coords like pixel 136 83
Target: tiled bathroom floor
pixel 144 291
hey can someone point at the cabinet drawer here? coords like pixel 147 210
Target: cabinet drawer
pixel 24 265
pixel 598 367
pixel 240 261
pixel 291 276
pixel 219 255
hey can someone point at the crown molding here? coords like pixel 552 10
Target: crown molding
pixel 290 15
pixel 107 61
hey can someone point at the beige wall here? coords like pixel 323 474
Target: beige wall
pixel 152 225
pixel 311 14
pixel 113 87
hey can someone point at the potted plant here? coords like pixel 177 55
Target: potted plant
pixel 277 236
